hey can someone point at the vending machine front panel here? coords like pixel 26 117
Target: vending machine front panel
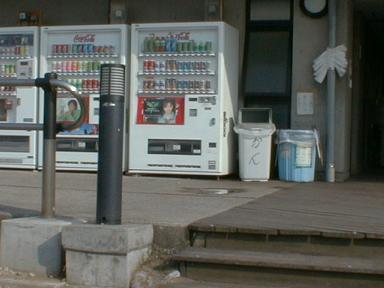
pixel 18 60
pixel 76 53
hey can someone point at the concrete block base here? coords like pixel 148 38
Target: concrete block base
pixel 33 245
pixel 105 255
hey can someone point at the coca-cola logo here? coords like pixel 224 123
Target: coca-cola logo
pixel 79 38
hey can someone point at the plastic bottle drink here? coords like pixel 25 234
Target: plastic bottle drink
pixel 173 44
pixel 162 44
pixel 157 44
pixel 208 46
pixel 201 46
pixel 151 44
pixel 168 44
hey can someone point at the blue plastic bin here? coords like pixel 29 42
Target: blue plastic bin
pixel 296 154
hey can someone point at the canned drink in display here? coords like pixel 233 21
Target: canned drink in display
pixel 73 49
pixel 162 66
pixel 157 66
pixel 207 64
pixel 54 66
pixel 145 65
pixel 94 66
pixel 89 66
pixel 191 84
pixel 189 46
pixel 7 69
pixel 207 85
pixel 149 65
pixel 95 84
pixel 73 66
pixel 54 49
pixel 167 65
pixel 162 85
pixel 180 66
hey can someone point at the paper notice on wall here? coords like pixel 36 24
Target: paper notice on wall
pixel 303 157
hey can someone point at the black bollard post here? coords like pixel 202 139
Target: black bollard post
pixel 111 131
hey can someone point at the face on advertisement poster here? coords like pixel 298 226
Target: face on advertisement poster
pixel 68 110
pixel 167 110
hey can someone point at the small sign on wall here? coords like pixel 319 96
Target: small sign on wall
pixel 305 103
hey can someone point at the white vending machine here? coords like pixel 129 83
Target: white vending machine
pixel 184 90
pixel 18 59
pixel 76 53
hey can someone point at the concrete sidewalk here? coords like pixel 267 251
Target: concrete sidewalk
pixel 169 203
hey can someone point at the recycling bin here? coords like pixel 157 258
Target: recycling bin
pixel 296 154
pixel 255 130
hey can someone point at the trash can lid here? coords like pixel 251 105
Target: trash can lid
pixel 257 126
pixel 255 129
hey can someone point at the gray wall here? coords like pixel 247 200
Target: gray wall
pixel 310 38
pixel 57 12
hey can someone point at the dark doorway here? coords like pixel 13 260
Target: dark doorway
pixel 367 158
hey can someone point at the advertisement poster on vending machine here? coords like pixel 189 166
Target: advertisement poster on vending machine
pixel 167 110
pixel 68 110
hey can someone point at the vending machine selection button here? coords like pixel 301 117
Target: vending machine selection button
pixel 192 112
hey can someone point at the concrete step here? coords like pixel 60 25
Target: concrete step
pixel 290 242
pixel 248 267
pixel 198 284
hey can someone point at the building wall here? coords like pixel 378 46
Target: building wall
pixel 57 12
pixel 310 38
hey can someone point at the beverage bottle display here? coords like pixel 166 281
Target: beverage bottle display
pixel 173 43
pixel 168 44
pixel 157 44
pixel 162 45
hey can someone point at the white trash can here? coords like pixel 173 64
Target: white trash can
pixel 255 144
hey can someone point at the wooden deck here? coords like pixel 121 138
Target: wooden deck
pixel 346 210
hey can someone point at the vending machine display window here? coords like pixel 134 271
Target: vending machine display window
pixel 167 110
